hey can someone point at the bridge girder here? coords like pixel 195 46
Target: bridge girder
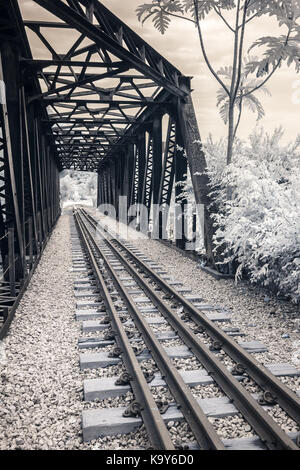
pixel 93 102
pixel 29 167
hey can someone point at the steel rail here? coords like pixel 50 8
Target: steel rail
pixel 268 430
pixel 202 429
pixel 285 398
pixel 154 424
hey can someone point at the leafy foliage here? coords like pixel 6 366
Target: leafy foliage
pixel 244 96
pixel 77 187
pixel 160 12
pixel 278 49
pixel 282 48
pixel 260 225
pixel 285 10
pixel 237 88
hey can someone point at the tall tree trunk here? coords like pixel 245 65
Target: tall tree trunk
pixel 230 143
pixel 230 133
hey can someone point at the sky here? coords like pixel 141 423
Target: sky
pixel 180 45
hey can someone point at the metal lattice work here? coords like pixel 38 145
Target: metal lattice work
pixel 95 92
pixel 82 91
pixel 29 166
pixel 147 187
pixel 4 190
pixel 168 165
pixel 136 177
pixel 102 93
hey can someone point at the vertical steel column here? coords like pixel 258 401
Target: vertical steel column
pixel 167 175
pixel 112 172
pixel 30 238
pixel 98 190
pixel 196 160
pixel 135 176
pixel 156 172
pixel 106 198
pixel 147 185
pixel 102 188
pixel 109 184
pixel 180 177
pixel 118 182
pixel 49 181
pixel 141 144
pixel 9 67
pixel 128 173
pixel 39 152
pixel 45 172
pixel 11 262
pixel 30 208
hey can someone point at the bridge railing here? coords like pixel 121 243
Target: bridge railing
pixel 13 280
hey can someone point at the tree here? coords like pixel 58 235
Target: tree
pixel 240 80
pixel 243 97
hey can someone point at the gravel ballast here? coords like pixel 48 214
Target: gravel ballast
pixel 41 384
pixel 40 379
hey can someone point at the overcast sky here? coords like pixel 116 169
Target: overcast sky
pixel 180 45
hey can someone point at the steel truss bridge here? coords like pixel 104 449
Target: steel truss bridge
pixel 90 95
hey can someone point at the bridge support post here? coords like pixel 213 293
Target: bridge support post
pixel 141 145
pixel 98 189
pixel 180 179
pixel 196 160
pixel 30 237
pixel 156 173
pixel 11 262
pixel 12 168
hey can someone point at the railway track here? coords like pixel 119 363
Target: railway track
pixel 136 297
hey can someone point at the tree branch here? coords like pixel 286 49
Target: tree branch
pixel 240 59
pixel 263 82
pixel 239 117
pixel 178 16
pixel 235 52
pixel 204 51
pixel 217 10
pixel 254 16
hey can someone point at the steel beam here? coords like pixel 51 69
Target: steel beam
pixel 197 163
pixel 103 39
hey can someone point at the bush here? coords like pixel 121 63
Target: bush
pixel 78 187
pixel 260 225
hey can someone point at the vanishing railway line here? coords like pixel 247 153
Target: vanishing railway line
pixel 121 274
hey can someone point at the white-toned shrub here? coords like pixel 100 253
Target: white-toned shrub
pixel 78 187
pixel 259 225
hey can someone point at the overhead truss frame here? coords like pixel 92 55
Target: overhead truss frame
pixel 94 102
